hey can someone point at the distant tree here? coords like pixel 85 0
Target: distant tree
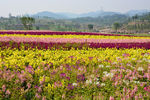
pixel 116 26
pixel 27 22
pixel 135 17
pixel 37 28
pixel 90 26
pixel 10 15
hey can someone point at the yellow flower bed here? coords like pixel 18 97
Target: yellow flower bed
pixel 37 57
pixel 76 36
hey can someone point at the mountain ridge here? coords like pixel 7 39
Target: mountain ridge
pixel 68 15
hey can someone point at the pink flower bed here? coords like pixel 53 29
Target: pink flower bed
pixel 92 43
pixel 72 40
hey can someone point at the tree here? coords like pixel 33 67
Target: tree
pixel 135 17
pixel 27 22
pixel 10 15
pixel 90 26
pixel 116 25
pixel 37 28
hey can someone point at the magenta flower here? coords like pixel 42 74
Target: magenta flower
pixel 136 88
pixel 39 89
pixel 37 96
pixel 116 83
pixel 45 68
pixel 4 88
pixel 36 87
pixel 68 78
pixel 147 89
pixel 29 85
pixel 124 90
pixel 136 97
pixel 7 92
pixel 80 78
pixel 90 58
pixel 62 75
pixel 53 73
pixel 29 69
pixel 111 98
pixel 140 96
pixel 42 81
pixel 132 93
pixel 43 98
pixel 57 84
pixel 70 87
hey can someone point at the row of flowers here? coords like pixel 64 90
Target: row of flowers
pixel 106 74
pixel 41 45
pixel 71 40
pixel 57 33
pixel 72 36
pixel 45 43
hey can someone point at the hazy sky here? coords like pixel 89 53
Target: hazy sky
pixel 19 7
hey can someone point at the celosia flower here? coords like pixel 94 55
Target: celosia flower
pixel 109 75
pixel 4 88
pixel 137 82
pixel 36 87
pixel 111 98
pixel 147 89
pixel 42 80
pixel 39 89
pixel 105 72
pixel 80 78
pixel 126 81
pixel 70 87
pixel 45 68
pixel 37 96
pixel 97 83
pixel 116 83
pixel 74 84
pixel 102 84
pixel 124 90
pixel 88 82
pixel 29 85
pixel 140 96
pixel 44 98
pixel 101 66
pixel 7 92
pixel 107 66
pixel 135 89
pixel 68 78
pixel 140 69
pixel 62 75
pixel 68 67
pixel 90 58
pixel 136 97
pixel 30 69
pixel 114 63
pixel 57 84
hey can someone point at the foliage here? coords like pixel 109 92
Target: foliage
pixel 60 74
pixel 27 22
pixel 116 25
pixel 90 26
pixel 72 74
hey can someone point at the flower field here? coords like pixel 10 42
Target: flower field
pixel 53 33
pixel 74 66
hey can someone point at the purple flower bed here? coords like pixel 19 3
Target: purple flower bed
pixel 57 33
pixel 42 45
